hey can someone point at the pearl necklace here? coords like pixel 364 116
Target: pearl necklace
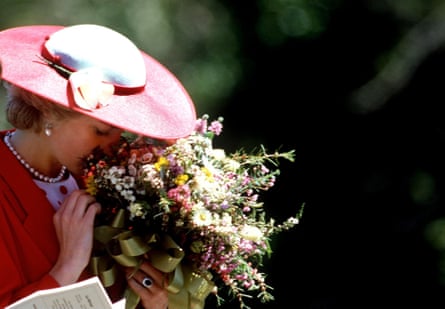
pixel 32 170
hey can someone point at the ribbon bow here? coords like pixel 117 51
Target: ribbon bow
pixel 186 288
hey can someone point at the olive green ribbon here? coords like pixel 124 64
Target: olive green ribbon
pixel 186 288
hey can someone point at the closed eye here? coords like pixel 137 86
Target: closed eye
pixel 106 132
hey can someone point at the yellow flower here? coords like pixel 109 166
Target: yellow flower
pixel 91 185
pixel 181 179
pixel 162 162
pixel 207 173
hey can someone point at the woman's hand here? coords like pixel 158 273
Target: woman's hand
pixel 74 224
pixel 154 295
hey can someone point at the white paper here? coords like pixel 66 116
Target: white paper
pixel 86 294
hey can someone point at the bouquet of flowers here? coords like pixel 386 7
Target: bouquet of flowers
pixel 193 210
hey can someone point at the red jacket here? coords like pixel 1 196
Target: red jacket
pixel 28 242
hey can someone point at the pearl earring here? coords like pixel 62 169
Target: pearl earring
pixel 48 129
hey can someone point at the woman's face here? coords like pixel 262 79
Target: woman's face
pixel 73 139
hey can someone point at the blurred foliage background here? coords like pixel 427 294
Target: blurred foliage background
pixel 355 87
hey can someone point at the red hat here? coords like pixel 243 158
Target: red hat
pixel 100 73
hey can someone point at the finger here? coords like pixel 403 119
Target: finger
pixel 152 296
pixel 83 201
pixel 150 270
pixel 137 283
pixel 158 276
pixel 92 210
pixel 69 204
pixel 142 278
pixel 78 206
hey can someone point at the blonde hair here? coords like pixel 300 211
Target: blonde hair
pixel 25 110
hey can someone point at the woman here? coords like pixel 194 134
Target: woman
pixel 70 90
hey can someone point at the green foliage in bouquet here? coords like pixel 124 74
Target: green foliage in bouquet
pixel 193 210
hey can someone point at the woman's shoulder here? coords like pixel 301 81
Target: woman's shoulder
pixel 11 170
pixel 5 153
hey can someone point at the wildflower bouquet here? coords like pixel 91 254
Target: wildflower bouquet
pixel 191 209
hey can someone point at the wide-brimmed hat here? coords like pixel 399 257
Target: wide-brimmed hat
pixel 98 72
